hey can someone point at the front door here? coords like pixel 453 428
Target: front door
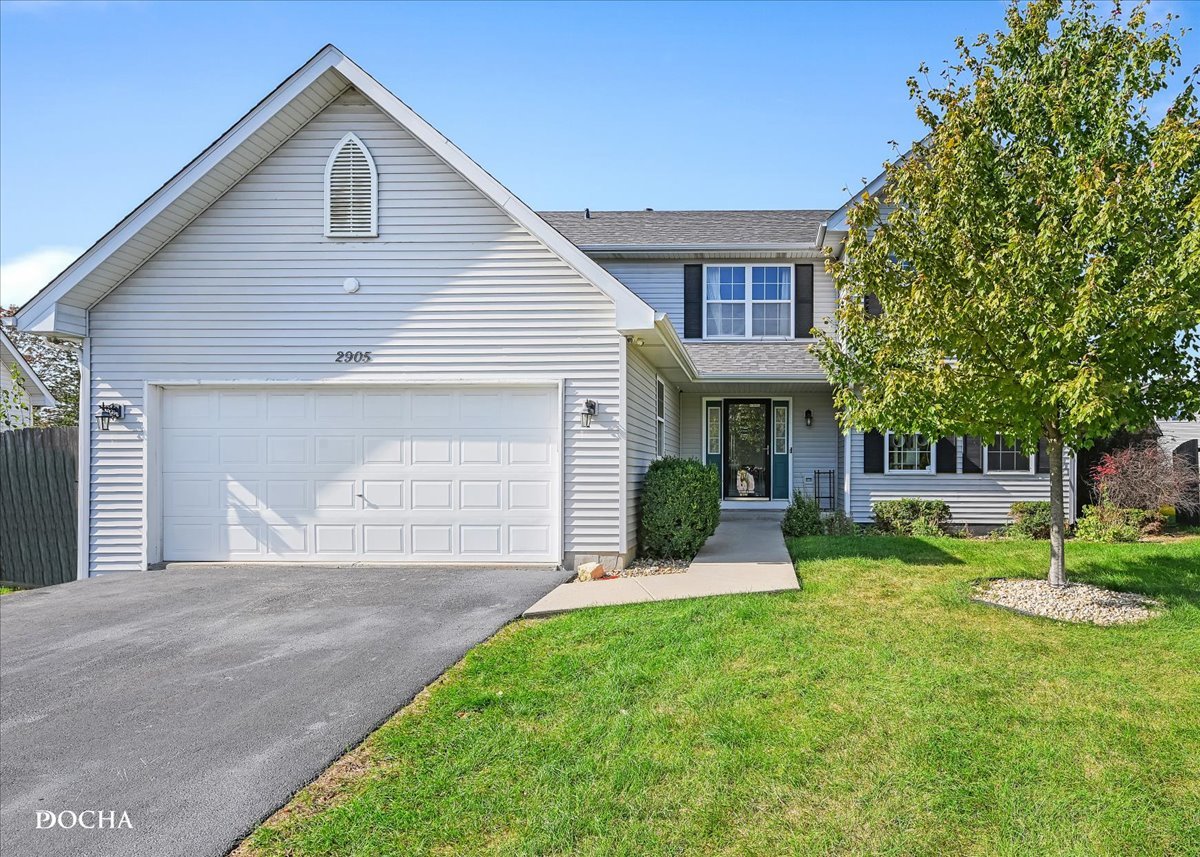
pixel 747 449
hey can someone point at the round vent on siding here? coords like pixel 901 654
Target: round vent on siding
pixel 351 191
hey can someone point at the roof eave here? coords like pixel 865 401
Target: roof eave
pixel 40 387
pixel 750 379
pixel 695 248
pixel 630 310
pixel 41 305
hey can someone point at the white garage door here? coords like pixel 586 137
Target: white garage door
pixel 463 474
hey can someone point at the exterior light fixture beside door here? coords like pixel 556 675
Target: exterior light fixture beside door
pixel 808 418
pixel 589 411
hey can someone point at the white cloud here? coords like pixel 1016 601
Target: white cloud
pixel 24 276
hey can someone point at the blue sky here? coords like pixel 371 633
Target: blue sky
pixel 664 105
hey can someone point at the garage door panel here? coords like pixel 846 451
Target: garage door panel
pixel 454 475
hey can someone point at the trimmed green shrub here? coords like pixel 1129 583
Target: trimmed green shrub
pixel 803 517
pixel 901 517
pixel 1108 523
pixel 840 524
pixel 681 506
pixel 1030 520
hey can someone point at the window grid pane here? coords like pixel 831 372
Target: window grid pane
pixel 1006 456
pixel 726 284
pixel 769 319
pixel 909 452
pixel 726 319
pixel 771 283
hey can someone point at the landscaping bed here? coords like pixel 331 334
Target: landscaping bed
pixel 653 567
pixel 1075 602
pixel 878 710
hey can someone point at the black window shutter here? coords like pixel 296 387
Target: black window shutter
pixel 1043 457
pixel 872 452
pixel 947 455
pixel 972 455
pixel 872 305
pixel 693 301
pixel 804 301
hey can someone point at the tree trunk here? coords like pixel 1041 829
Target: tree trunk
pixel 1058 571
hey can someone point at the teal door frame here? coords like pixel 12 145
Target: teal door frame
pixel 712 436
pixel 781 449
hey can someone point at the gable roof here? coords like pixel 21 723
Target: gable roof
pixel 594 230
pixel 40 395
pixel 837 219
pixel 60 307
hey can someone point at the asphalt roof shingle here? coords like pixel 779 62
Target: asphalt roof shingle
pixel 688 228
pixel 753 358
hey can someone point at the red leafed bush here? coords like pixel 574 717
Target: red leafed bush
pixel 1145 476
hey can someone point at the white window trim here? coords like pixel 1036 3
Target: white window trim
pixel 748 302
pixel 719 404
pixel 887 459
pixel 787 428
pixel 353 236
pixel 1032 464
pixel 660 399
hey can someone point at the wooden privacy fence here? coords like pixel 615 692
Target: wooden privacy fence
pixel 37 505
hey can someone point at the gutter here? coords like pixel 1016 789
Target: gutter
pixel 671 340
pixel 697 248
pixel 761 379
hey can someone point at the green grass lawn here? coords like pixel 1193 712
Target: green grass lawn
pixel 5 590
pixel 875 711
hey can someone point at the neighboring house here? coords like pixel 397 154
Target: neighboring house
pixel 334 337
pixel 21 390
pixel 1174 433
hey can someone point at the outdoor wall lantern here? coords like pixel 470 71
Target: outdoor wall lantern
pixel 589 411
pixel 108 412
pixel 808 418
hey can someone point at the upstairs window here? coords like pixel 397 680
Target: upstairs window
pixel 1006 456
pixel 909 453
pixel 351 191
pixel 748 301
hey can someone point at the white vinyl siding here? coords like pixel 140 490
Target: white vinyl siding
pixel 642 441
pixel 451 289
pixel 974 498
pixel 659 282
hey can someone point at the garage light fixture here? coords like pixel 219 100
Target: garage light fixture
pixel 808 418
pixel 589 411
pixel 108 412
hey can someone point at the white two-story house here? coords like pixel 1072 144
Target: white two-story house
pixel 334 337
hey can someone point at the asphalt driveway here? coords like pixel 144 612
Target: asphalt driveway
pixel 198 701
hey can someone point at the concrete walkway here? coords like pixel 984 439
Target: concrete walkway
pixel 745 554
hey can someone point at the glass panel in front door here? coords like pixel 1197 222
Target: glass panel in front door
pixel 747 467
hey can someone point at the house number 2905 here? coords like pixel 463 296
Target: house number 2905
pixel 353 357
